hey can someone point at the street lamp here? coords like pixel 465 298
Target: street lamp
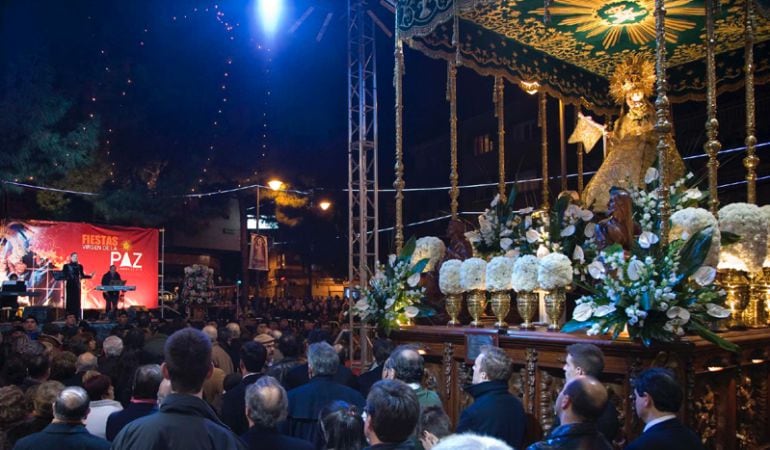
pixel 324 205
pixel 275 185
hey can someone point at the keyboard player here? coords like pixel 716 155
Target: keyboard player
pixel 111 278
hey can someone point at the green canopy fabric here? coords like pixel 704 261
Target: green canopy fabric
pixel 575 53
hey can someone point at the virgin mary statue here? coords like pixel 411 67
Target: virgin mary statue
pixel 632 145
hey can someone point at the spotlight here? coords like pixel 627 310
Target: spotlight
pixel 269 12
pixel 324 205
pixel 275 185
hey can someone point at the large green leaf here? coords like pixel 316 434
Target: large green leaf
pixel 419 266
pixel 710 336
pixel 694 252
pixel 574 325
pixel 408 249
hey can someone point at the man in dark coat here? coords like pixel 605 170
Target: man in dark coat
pixel 382 349
pixel 306 402
pixel 392 411
pixel 185 421
pixel 290 347
pixel 252 359
pixel 495 411
pixel 579 405
pixel 588 360
pixel 144 400
pixel 657 399
pixel 73 273
pixel 111 298
pixel 267 404
pixel 67 431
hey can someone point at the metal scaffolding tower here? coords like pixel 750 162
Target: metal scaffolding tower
pixel 363 246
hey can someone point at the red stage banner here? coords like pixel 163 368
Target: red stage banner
pixel 34 250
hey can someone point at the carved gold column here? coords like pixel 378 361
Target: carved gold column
pixel 751 161
pixel 562 149
pixel 662 124
pixel 499 99
pixel 542 122
pixel 451 95
pixel 398 184
pixel 579 158
pixel 712 145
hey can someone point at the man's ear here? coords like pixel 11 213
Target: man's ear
pixel 164 370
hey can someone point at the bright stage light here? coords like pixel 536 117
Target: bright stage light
pixel 275 185
pixel 270 14
pixel 324 205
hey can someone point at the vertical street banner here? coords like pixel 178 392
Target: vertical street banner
pixel 258 253
pixel 34 250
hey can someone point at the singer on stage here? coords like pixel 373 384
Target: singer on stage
pixel 111 297
pixel 73 273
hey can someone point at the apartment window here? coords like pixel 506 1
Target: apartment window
pixel 482 144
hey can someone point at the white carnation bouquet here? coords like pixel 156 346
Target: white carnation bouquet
pixel 430 248
pixel 498 276
pixel 554 271
pixel 501 229
pixel 394 295
pixel 473 274
pixel 449 277
pixel 749 223
pixel 524 276
pixel 766 212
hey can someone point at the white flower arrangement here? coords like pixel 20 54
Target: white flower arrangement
pixel 499 271
pixel 473 274
pixel 766 212
pixel 689 221
pixel 524 276
pixel 656 292
pixel 554 271
pixel 449 277
pixel 430 248
pixel 749 223
pixel 394 295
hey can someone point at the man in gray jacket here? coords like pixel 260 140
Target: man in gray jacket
pixel 185 421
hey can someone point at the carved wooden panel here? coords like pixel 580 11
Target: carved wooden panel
pixel 550 386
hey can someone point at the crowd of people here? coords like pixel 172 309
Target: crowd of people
pixel 274 384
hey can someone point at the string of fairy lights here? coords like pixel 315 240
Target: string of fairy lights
pixel 211 146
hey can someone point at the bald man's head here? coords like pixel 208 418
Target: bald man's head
pixel 266 402
pixel 211 332
pixel 87 361
pixel 587 398
pixel 407 364
pixel 71 405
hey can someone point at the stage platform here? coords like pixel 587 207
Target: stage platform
pixel 726 395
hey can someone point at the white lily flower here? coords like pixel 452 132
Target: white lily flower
pixel 389 302
pixel 586 215
pixel 505 243
pixel 635 269
pixel 513 253
pixel 677 312
pixel 542 251
pixel 717 311
pixel 693 194
pixel 705 275
pixel 578 254
pixel 647 239
pixel 362 305
pixel 590 230
pixel 495 201
pixel 604 310
pixel 583 312
pixel 568 231
pixel 596 270
pixel 532 236
pixel 411 311
pixel 651 175
pixel 391 259
pixel 413 280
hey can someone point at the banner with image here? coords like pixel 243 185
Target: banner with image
pixel 34 250
pixel 258 253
